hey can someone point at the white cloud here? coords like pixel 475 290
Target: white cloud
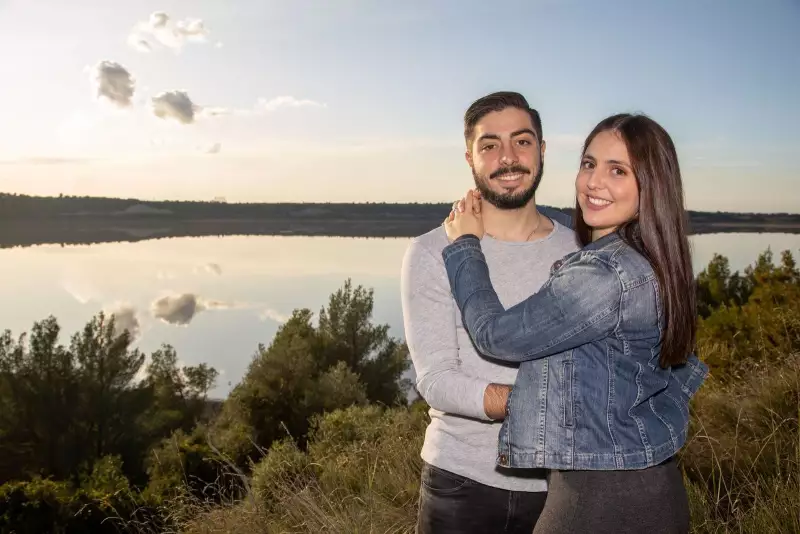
pixel 210 268
pixel 174 105
pixel 270 314
pixel 182 309
pixel 286 101
pixel 161 29
pixel 126 318
pixel 113 82
pixel 261 107
pixel 213 149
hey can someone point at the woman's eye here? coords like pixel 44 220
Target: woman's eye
pixel 587 164
pixel 616 171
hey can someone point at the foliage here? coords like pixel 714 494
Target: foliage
pixel 318 436
pixel 307 370
pixel 750 321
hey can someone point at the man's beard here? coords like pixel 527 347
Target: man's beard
pixel 508 201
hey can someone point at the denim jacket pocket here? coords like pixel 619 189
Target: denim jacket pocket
pixel 567 393
pixel 691 375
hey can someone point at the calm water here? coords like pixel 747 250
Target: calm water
pixel 215 299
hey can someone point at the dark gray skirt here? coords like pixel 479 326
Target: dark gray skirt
pixel 649 501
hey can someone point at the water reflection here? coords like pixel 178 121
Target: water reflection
pixel 216 298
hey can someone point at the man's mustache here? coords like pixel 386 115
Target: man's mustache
pixel 514 169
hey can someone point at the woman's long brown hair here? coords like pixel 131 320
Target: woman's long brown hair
pixel 659 230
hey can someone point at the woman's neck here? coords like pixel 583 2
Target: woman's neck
pixel 598 233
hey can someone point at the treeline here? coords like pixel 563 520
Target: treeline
pixel 318 436
pixel 25 207
pixel 93 436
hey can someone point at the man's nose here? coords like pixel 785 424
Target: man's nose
pixel 508 156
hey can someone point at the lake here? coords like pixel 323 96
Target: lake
pixel 216 298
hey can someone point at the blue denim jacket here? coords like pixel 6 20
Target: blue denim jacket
pixel 590 393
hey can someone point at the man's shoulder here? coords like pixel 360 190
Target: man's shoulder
pixel 431 242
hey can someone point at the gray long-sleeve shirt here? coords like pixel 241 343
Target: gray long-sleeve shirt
pixel 450 375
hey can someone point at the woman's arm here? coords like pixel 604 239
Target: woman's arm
pixel 579 304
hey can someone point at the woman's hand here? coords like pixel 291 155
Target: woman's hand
pixel 465 218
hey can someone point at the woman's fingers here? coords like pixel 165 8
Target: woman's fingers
pixel 468 202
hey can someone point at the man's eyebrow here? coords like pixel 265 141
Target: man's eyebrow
pixel 513 134
pixel 524 131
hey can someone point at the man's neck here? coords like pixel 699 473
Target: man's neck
pixel 514 225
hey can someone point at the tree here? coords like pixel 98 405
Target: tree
pixel 107 368
pixel 348 335
pixel 38 400
pixel 345 360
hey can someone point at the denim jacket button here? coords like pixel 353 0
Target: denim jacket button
pixel 556 266
pixel 503 459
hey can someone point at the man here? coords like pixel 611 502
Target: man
pixel 462 488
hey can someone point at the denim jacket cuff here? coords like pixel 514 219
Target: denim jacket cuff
pixel 464 242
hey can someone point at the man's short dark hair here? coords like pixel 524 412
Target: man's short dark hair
pixel 497 102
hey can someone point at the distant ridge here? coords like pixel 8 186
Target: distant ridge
pixel 64 205
pixel 31 220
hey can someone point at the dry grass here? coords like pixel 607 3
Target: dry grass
pixel 361 472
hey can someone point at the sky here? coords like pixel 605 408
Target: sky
pixel 363 100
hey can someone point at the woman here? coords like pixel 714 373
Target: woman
pixel 607 369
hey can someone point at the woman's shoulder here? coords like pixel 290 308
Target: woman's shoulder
pixel 613 257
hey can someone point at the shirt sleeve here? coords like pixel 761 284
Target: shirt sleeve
pixel 429 317
pixel 580 303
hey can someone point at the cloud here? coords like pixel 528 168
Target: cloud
pixel 126 318
pixel 174 105
pixel 213 268
pixel 286 101
pixel 179 106
pixel 137 42
pixel 261 107
pixel 181 309
pixel 270 314
pixel 161 29
pixel 210 268
pixel 213 149
pixel 114 83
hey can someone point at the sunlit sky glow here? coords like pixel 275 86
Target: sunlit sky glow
pixel 358 100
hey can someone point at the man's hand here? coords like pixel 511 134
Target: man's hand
pixel 465 218
pixel 495 398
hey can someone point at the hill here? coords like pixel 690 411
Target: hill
pixel 72 220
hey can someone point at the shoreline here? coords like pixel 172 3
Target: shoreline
pixel 90 230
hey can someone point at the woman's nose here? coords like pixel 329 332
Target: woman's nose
pixel 594 181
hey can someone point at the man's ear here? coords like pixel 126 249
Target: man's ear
pixel 544 146
pixel 468 157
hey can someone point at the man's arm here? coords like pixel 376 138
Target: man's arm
pixel 556 215
pixel 495 399
pixel 429 317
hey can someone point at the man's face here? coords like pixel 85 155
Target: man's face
pixel 506 159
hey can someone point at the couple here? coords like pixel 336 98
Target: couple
pixel 556 357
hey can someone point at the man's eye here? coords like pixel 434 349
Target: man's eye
pixel 487 147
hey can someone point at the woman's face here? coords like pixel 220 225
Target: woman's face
pixel 606 186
